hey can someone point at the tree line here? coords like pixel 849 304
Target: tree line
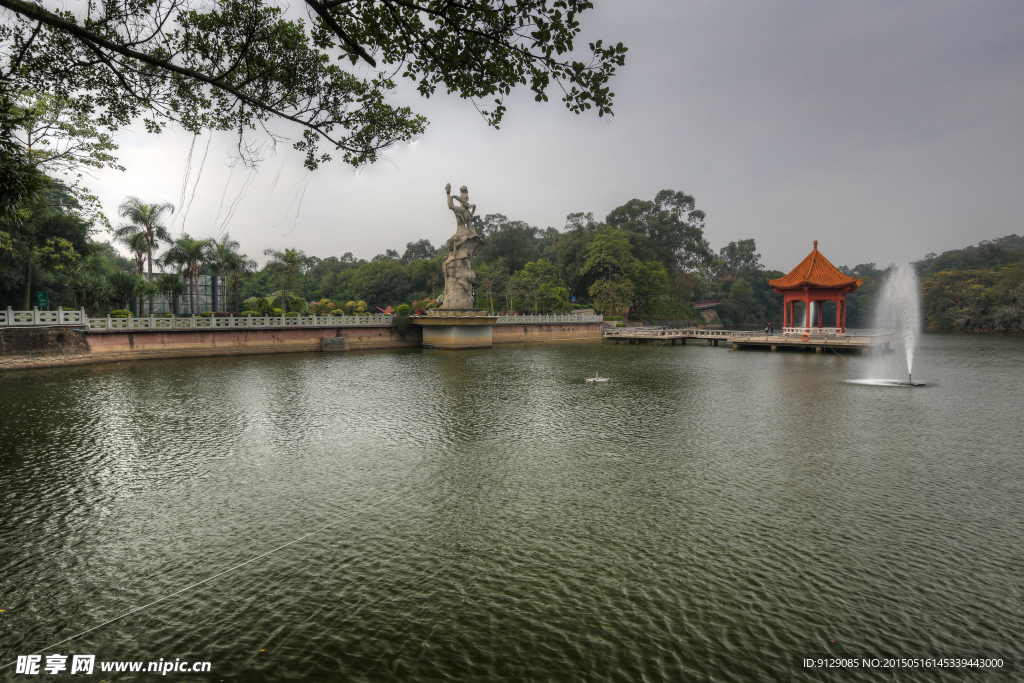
pixel 648 259
pixel 977 288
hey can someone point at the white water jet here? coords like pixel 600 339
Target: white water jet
pixel 899 311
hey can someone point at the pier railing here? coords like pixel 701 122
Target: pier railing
pixel 71 318
pixel 835 333
pixel 37 318
pixel 813 331
pixel 687 332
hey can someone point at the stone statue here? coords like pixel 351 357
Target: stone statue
pixel 458 274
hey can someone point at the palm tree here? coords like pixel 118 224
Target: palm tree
pixel 188 255
pixel 147 290
pixel 170 287
pixel 138 245
pixel 241 265
pixel 144 218
pixel 289 265
pixel 88 289
pixel 221 257
pixel 123 287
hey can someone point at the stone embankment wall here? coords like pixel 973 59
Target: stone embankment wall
pixel 61 346
pixel 55 347
pixel 42 347
pixel 506 334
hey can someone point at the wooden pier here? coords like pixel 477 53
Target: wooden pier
pixel 818 343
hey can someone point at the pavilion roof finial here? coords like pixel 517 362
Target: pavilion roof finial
pixel 815 245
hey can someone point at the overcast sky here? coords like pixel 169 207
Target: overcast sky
pixel 885 130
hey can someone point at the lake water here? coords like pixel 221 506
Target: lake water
pixel 708 515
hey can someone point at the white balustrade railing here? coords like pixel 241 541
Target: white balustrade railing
pixel 9 318
pixel 36 318
pixel 540 319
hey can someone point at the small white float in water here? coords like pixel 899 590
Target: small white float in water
pixel 598 378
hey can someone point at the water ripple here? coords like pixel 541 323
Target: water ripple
pixel 707 515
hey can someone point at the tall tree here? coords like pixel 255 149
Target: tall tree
pixel 61 136
pixel 571 250
pixel 47 232
pixel 552 292
pixel 650 286
pixel 221 257
pixel 289 265
pixel 512 243
pixel 670 229
pixel 138 245
pixel 609 255
pixel 422 250
pixel 240 265
pixel 491 279
pixel 235 64
pixel 170 287
pixel 188 255
pixel 145 217
pixel 20 181
pixel 740 256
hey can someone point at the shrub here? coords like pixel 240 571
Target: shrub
pixel 275 312
pixel 402 325
pixel 620 324
pixel 403 310
pixel 206 314
pixel 254 314
pixel 298 304
pixel 253 303
pixel 322 307
pixel 613 317
pixel 338 311
pixel 120 313
pixel 165 315
pixel 291 314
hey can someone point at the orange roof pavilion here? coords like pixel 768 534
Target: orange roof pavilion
pixel 814 282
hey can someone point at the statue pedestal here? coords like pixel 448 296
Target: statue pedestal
pixel 456 329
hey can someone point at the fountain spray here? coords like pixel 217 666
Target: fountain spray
pixel 899 310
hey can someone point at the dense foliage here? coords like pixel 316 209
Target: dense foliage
pixel 647 260
pixel 977 288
